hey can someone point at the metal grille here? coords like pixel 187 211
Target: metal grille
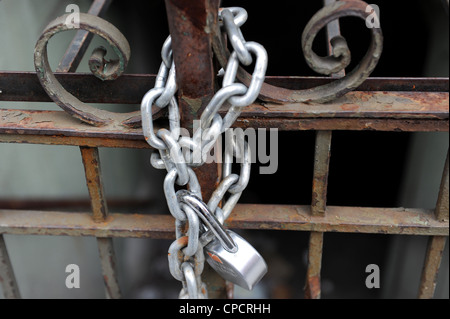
pixel 416 105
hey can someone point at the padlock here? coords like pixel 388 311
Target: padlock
pixel 231 256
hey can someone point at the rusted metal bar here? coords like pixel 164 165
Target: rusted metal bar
pixel 127 89
pixel 81 224
pixel 432 264
pixel 51 204
pixel 345 124
pixel 190 24
pixel 442 207
pixel 338 219
pixel 108 261
pixel 90 156
pixel 394 111
pixel 323 139
pixel 60 124
pixel 245 216
pixel 130 88
pixel 322 156
pixel 371 84
pixel 55 132
pixel 313 286
pixel 387 105
pixel 318 208
pixel 46 133
pixel 362 105
pixel 73 141
pixel 74 54
pixel 321 169
pixel 91 161
pixel 8 281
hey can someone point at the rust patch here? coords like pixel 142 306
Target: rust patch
pixel 349 107
pixel 183 241
pixel 312 289
pixel 215 258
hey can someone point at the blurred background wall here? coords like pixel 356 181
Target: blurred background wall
pixel 56 172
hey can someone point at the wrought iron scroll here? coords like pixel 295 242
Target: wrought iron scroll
pixel 101 68
pixel 326 65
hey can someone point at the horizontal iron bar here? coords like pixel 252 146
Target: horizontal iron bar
pixel 361 105
pixel 60 123
pixel 245 216
pixel 48 204
pixel 400 84
pixel 73 141
pixel 136 141
pixel 127 89
pixel 124 138
pixel 131 141
pixel 345 124
pixel 383 111
pixel 130 88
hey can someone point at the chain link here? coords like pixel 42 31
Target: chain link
pixel 179 154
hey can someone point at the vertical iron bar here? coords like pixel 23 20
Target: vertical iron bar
pixel 108 261
pixel 431 267
pixel 91 161
pixel 69 63
pixel 320 186
pixel 313 287
pixel 323 140
pixel 436 244
pixel 442 207
pixel 190 24
pixel 7 278
pixel 321 169
pixel 318 208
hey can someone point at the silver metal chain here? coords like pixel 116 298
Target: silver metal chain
pixel 179 154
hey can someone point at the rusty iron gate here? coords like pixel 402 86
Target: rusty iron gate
pixel 415 105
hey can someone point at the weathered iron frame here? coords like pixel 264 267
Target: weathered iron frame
pixel 417 105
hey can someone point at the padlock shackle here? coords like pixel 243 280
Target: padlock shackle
pixel 202 210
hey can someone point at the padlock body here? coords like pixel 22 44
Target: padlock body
pixel 244 268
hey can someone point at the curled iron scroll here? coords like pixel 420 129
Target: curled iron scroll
pixel 325 65
pixel 101 68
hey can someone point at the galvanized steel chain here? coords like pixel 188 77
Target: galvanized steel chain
pixel 179 154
